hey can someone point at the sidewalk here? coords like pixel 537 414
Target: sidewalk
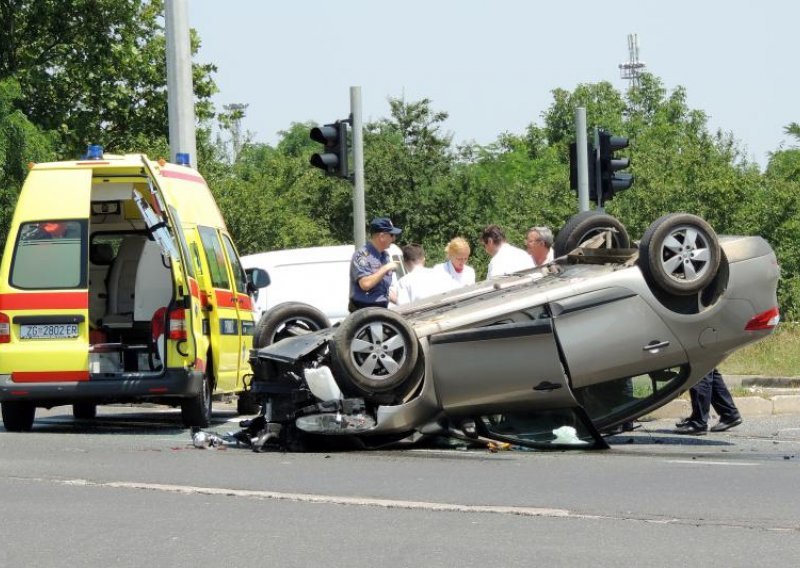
pixel 770 395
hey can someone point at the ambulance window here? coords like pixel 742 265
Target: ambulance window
pixel 238 271
pixel 182 241
pixel 198 264
pixel 216 258
pixel 50 255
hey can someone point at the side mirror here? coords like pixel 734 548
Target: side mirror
pixel 257 278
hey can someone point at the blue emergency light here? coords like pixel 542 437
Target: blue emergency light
pixel 94 152
pixel 182 159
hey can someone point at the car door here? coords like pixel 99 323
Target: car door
pixel 612 333
pixel 510 364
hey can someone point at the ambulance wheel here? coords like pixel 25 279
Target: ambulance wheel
pixel 18 415
pixel 84 411
pixel 196 411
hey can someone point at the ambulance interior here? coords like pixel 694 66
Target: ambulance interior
pixel 130 284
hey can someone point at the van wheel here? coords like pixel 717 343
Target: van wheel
pixel 196 411
pixel 288 320
pixel 84 411
pixel 18 415
pixel 374 353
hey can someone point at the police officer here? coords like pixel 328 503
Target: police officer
pixel 371 268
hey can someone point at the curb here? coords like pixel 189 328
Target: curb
pixel 748 406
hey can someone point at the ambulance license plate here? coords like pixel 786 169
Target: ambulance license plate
pixel 48 331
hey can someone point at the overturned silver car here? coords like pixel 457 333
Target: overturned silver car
pixel 544 358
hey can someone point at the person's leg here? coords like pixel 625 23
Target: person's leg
pixel 701 401
pixel 721 399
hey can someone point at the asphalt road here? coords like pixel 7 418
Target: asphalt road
pixel 129 489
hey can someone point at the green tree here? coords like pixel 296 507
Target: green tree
pixel 20 143
pixel 94 71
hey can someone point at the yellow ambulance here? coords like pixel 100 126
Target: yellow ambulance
pixel 119 282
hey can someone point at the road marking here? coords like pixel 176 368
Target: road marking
pixel 540 512
pixel 707 462
pixel 332 499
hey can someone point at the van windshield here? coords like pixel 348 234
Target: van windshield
pixel 50 255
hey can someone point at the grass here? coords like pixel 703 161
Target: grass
pixel 776 356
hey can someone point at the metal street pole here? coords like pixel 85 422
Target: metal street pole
pixel 598 178
pixel 180 94
pixel 359 217
pixel 583 164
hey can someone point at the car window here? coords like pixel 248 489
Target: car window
pixel 238 272
pixel 50 255
pixel 216 258
pixel 606 401
pixel 542 429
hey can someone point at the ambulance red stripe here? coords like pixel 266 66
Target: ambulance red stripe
pixel 49 376
pixel 45 301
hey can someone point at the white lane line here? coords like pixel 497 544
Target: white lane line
pixel 333 499
pixel 707 462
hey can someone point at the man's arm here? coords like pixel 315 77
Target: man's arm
pixel 368 282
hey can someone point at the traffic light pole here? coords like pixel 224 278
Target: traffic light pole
pixel 583 165
pixel 359 217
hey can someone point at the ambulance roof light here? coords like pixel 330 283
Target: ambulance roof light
pixel 182 159
pixel 94 152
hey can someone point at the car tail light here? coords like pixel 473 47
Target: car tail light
pixel 177 325
pixel 764 320
pixel 5 329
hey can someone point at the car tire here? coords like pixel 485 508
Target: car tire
pixel 680 254
pixel 374 354
pixel 287 320
pixel 196 410
pixel 84 411
pixel 18 415
pixel 585 225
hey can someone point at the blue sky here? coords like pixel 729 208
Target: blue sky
pixel 493 64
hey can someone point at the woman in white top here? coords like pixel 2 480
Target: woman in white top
pixel 457 251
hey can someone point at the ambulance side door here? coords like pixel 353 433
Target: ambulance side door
pixel 244 304
pixel 222 309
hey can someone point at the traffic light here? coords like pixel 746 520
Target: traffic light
pixel 333 160
pixel 611 179
pixel 573 165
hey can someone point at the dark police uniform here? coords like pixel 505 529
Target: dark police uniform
pixel 367 260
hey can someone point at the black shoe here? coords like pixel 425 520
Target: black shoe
pixel 691 429
pixel 723 425
pixel 628 426
pixel 683 421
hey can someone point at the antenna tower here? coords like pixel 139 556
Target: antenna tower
pixel 236 111
pixel 632 70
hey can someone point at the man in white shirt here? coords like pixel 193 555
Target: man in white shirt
pixel 539 243
pixel 506 258
pixel 420 282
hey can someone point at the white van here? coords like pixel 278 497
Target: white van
pixel 318 276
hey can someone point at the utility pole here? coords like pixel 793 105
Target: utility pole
pixel 359 217
pixel 582 159
pixel 180 92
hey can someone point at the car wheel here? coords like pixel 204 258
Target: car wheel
pixel 586 225
pixel 374 353
pixel 18 415
pixel 84 410
pixel 680 254
pixel 287 320
pixel 196 411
